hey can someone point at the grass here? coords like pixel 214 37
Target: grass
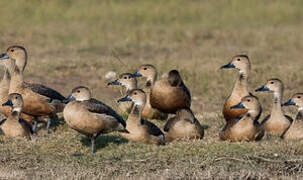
pixel 73 43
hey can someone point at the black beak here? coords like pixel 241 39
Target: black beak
pixel 3 56
pixel 289 103
pixel 126 98
pixel 238 106
pixel 263 88
pixel 136 74
pixel 115 82
pixel 68 99
pixel 8 103
pixel 229 65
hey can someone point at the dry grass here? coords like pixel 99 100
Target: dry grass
pixel 74 43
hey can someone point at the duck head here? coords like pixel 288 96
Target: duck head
pixel 17 54
pixel 15 101
pixel 251 103
pixel 137 96
pixel 126 80
pixel 240 62
pixel 295 100
pixel 80 93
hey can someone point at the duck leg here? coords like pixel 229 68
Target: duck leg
pixel 48 124
pixel 34 127
pixel 93 141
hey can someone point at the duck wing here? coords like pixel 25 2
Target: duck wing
pixel 2 121
pixel 95 106
pixel 45 91
pixel 151 128
pixel 27 124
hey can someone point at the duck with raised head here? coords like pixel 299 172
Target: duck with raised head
pixel 183 126
pixel 89 116
pixel 240 89
pixel 245 127
pixel 128 83
pixel 277 122
pixel 140 130
pixel 295 131
pixel 39 100
pixel 14 125
pixel 168 94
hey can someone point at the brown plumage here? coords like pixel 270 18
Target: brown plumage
pixel 240 90
pixel 277 122
pixel 129 83
pixel 183 126
pixel 141 130
pixel 89 116
pixel 168 94
pixel 14 125
pixel 38 100
pixel 246 127
pixel 295 131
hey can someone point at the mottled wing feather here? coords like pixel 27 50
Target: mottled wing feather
pixel 99 107
pixel 45 91
pixel 151 128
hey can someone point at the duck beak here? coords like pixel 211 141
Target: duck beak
pixel 68 99
pixel 115 82
pixel 8 103
pixel 3 56
pixel 263 88
pixel 289 103
pixel 229 65
pixel 238 106
pixel 136 74
pixel 126 98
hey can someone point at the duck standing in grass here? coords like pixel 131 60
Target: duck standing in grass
pixel 39 100
pixel 14 125
pixel 183 126
pixel 246 127
pixel 295 131
pixel 89 116
pixel 277 122
pixel 168 94
pixel 140 130
pixel 240 90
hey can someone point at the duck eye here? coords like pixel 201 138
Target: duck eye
pixel 135 93
pixel 299 97
pixel 12 50
pixel 16 98
pixel 271 82
pixel 145 68
pixel 238 59
pixel 125 77
pixel 78 91
pixel 248 100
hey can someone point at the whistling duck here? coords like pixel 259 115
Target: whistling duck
pixel 39 100
pixel 140 130
pixel 168 94
pixel 183 125
pixel 89 116
pixel 277 121
pixel 14 125
pixel 240 90
pixel 295 131
pixel 246 127
pixel 129 82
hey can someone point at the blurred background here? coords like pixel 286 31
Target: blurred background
pixel 76 42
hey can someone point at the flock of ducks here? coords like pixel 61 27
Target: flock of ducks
pixel 26 104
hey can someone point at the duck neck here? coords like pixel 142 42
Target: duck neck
pixel 16 77
pixel 136 112
pixel 241 86
pixel 130 86
pixel 4 86
pixel 150 81
pixel 16 112
pixel 277 108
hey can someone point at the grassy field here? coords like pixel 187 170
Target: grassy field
pixel 73 43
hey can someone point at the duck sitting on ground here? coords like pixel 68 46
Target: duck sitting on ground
pixel 246 127
pixel 140 130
